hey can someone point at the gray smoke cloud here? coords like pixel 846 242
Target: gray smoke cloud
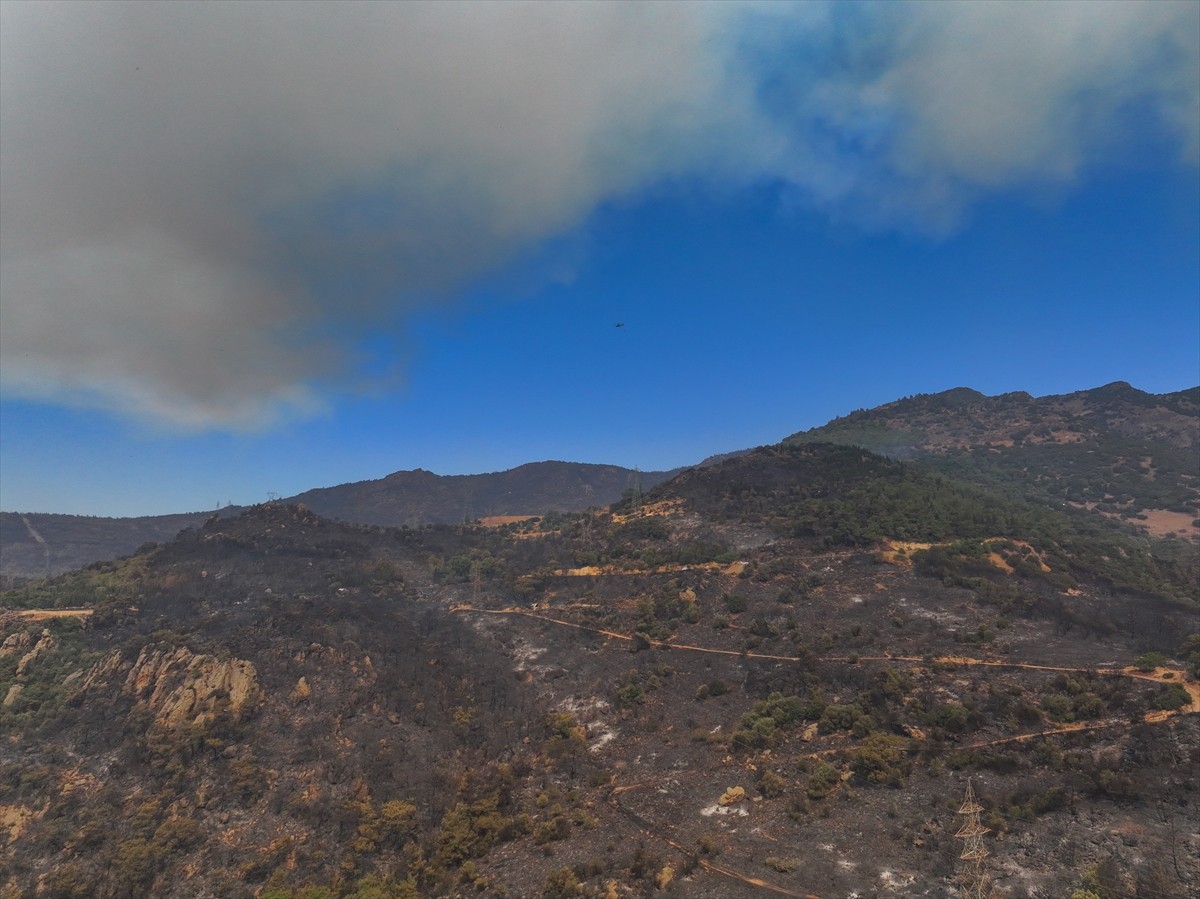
pixel 207 205
pixel 963 99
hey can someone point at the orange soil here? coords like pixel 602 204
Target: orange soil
pixel 46 614
pixel 998 560
pixel 495 521
pixel 892 549
pixel 733 568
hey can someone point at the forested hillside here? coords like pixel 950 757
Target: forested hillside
pixel 1131 456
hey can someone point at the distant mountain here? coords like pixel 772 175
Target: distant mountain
pixel 35 545
pixel 38 544
pixel 422 497
pixel 1116 450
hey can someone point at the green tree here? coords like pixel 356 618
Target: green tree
pixel 1189 651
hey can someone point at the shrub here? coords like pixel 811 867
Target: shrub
pixel 950 716
pixel 557 828
pixel 880 759
pixel 761 726
pixel 469 830
pixel 1059 708
pixel 771 784
pixel 716 687
pixel 839 717
pixel 823 781
pixel 1189 651
pixel 1171 698
pixel 1149 661
pixel 561 884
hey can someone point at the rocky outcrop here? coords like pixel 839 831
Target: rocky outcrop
pixel 44 645
pixel 732 796
pixel 17 642
pixel 102 671
pixel 182 687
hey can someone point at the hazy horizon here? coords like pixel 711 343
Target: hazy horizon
pixel 272 495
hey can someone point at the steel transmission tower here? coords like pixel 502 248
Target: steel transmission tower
pixel 972 870
pixel 635 485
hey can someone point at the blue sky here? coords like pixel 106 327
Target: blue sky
pixel 800 216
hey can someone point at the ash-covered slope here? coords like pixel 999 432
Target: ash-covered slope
pixel 835 495
pixel 726 683
pixel 264 692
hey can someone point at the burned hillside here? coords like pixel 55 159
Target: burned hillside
pixel 751 678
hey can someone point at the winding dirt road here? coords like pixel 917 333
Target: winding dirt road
pixel 1158 675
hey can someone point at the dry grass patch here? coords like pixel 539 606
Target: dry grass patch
pixel 652 510
pixel 47 614
pixel 1161 523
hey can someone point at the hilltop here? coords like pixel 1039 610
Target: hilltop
pixel 1114 451
pixel 421 497
pixel 1117 451
pixel 36 545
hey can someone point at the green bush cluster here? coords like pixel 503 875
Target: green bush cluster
pixel 715 687
pixel 1171 698
pixel 470 829
pixel 765 724
pixel 949 716
pixel 823 781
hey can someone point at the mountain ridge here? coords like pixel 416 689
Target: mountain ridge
pixel 946 429
pixel 408 497
pixel 965 402
pixel 420 497
pixel 1121 452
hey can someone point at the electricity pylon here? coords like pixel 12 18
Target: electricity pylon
pixel 972 870
pixel 634 490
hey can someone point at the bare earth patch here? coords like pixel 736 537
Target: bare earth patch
pixel 652 510
pixel 46 614
pixel 898 552
pixel 998 560
pixel 1161 523
pixel 14 819
pixel 496 521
